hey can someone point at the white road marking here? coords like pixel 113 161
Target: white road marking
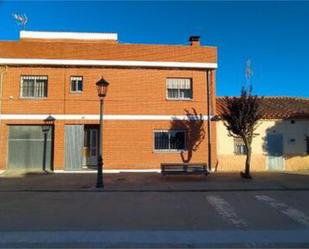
pixel 291 212
pixel 226 211
pixel 154 237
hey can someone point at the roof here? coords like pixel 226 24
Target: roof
pixel 276 107
pixel 104 50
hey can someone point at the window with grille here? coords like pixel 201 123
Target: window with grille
pixel 173 140
pixel 179 88
pixel 76 84
pixel 34 86
pixel 239 147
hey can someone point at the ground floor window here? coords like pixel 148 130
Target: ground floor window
pixel 169 140
pixel 239 147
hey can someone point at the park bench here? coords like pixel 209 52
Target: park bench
pixel 184 169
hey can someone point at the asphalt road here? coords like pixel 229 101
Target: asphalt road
pixel 154 219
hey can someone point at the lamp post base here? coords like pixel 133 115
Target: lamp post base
pixel 100 173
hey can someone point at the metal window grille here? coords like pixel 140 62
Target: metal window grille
pixel 179 88
pixel 34 86
pixel 76 84
pixel 169 140
pixel 239 147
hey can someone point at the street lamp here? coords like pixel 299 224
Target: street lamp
pixel 102 85
pixel 48 122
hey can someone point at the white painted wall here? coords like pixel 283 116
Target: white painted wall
pixel 298 131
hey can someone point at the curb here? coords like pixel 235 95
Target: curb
pixel 94 190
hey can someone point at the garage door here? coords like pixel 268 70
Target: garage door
pixel 29 149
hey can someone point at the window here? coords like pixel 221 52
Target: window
pixel 76 84
pixel 239 146
pixel 179 88
pixel 33 86
pixel 173 140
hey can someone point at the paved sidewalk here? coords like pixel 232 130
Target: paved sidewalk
pixel 273 181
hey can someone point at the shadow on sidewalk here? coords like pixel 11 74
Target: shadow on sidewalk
pixel 227 181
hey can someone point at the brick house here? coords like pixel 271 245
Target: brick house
pixel 157 109
pixel 282 141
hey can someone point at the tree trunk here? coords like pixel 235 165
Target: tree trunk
pixel 248 162
pixel 246 174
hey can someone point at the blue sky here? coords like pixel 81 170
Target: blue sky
pixel 274 35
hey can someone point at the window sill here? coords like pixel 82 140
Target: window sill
pixel 33 98
pixel 169 151
pixel 77 92
pixel 179 99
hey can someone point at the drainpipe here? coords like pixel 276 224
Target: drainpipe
pixel 208 82
pixel 2 72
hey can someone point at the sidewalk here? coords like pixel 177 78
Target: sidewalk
pixel 143 182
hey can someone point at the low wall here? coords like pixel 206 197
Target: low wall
pixel 237 162
pixel 259 162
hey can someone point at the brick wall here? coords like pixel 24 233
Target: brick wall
pixel 132 91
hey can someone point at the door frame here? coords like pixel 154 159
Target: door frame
pixel 87 133
pixel 93 160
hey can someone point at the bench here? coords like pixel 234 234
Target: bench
pixel 184 169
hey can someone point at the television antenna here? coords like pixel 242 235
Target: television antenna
pixel 248 74
pixel 21 20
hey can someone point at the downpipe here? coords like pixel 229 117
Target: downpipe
pixel 3 70
pixel 208 78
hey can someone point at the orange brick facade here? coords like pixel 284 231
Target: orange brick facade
pixel 127 144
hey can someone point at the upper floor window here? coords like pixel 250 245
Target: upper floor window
pixel 171 140
pixel 239 147
pixel 76 84
pixel 34 86
pixel 179 88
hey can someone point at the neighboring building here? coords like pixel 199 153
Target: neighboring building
pixel 282 141
pixel 145 119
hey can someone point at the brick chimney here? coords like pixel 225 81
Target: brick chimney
pixel 194 40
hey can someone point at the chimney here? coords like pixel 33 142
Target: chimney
pixel 194 40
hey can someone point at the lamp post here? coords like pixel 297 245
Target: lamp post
pixel 48 122
pixel 102 85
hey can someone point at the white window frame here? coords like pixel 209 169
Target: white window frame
pixel 170 150
pixel 179 98
pixel 76 83
pixel 22 77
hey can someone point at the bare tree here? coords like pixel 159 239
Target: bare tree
pixel 241 119
pixel 194 127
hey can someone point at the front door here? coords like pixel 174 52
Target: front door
pixel 275 160
pixel 92 157
pixel 74 140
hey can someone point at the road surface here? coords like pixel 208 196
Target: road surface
pixel 154 219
